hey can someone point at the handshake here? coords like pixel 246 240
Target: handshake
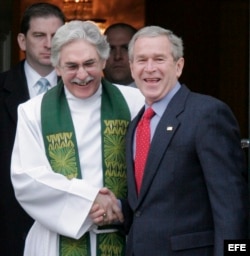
pixel 106 209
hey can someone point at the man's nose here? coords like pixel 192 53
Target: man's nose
pixel 81 72
pixel 149 65
pixel 117 54
pixel 48 41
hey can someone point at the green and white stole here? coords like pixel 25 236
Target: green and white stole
pixel 62 153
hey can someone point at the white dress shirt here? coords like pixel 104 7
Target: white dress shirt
pixel 32 77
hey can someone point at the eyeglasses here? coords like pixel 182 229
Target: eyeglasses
pixel 73 68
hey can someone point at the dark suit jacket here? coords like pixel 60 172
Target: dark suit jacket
pixel 14 222
pixel 194 190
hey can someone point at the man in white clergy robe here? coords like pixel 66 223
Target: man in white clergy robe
pixel 68 161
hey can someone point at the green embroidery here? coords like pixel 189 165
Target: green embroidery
pixel 118 185
pixel 59 140
pixel 62 154
pixel 111 244
pixel 114 149
pixel 73 247
pixel 114 156
pixel 115 127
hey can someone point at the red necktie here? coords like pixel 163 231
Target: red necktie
pixel 142 145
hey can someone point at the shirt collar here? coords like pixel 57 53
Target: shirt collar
pixel 160 106
pixel 32 76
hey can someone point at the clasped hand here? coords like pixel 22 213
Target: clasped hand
pixel 105 209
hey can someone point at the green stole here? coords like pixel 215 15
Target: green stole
pixel 62 153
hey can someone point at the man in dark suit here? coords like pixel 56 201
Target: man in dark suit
pixel 39 24
pixel 193 193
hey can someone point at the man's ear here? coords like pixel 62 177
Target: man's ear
pixel 179 67
pixel 103 64
pixel 131 69
pixel 58 71
pixel 21 41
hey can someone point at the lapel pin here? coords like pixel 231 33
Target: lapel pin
pixel 169 128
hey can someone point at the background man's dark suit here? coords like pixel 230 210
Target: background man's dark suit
pixel 193 193
pixel 14 222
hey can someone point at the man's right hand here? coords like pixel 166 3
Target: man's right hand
pixel 106 209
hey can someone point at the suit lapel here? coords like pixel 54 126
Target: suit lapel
pixel 16 90
pixel 132 194
pixel 165 131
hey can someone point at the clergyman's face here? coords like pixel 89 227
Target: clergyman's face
pixel 80 68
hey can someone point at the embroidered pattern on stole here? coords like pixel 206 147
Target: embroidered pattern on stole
pixel 62 155
pixel 112 244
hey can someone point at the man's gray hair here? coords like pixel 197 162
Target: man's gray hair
pixel 154 31
pixel 75 30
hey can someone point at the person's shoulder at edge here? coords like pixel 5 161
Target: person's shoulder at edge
pixel 130 91
pixel 207 100
pixel 134 98
pixel 32 105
